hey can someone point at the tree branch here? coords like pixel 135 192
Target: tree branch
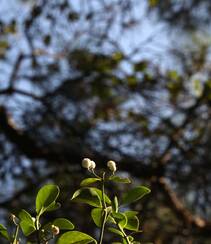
pixel 197 224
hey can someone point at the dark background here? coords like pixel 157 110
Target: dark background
pixel 116 79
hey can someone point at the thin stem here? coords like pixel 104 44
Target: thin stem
pixel 124 234
pixel 103 227
pixel 16 235
pixel 105 214
pixel 103 190
pixel 37 229
pixel 93 172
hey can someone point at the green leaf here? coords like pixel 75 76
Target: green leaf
pixel 120 218
pixel 63 224
pixel 91 196
pixel 75 237
pixel 100 195
pixel 27 228
pixel 84 195
pixel 116 231
pixel 89 181
pixel 119 179
pixel 110 219
pixel 135 194
pixel 27 223
pixel 124 241
pixel 53 206
pixel 97 216
pixel 46 196
pixel 24 215
pixel 131 213
pixel 3 232
pixel 132 220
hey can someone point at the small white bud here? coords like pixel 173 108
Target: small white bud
pixel 86 163
pixel 93 165
pixel 111 165
pixel 55 230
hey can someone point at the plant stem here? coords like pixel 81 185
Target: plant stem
pixel 97 176
pixel 104 211
pixel 16 235
pixel 103 227
pixel 37 229
pixel 103 191
pixel 125 236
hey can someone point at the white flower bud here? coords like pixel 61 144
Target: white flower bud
pixel 93 165
pixel 55 230
pixel 86 163
pixel 111 165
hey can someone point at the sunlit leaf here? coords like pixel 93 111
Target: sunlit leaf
pixel 3 232
pixel 84 195
pixel 27 223
pixel 135 194
pixel 91 196
pixel 116 231
pixel 120 218
pixel 132 220
pixel 89 181
pixel 119 179
pixel 76 237
pixel 46 196
pixel 53 206
pixel 97 216
pixel 63 224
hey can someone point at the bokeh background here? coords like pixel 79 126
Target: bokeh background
pixel 127 80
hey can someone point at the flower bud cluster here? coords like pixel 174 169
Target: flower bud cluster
pixel 88 164
pixel 112 165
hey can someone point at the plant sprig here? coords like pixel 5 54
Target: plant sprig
pixel 107 214
pixel 105 211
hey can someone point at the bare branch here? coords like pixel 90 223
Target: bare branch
pixel 196 223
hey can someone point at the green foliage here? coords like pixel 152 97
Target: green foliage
pixel 3 232
pixel 46 198
pixel 63 224
pixel 89 181
pixel 135 194
pixel 132 220
pixel 76 237
pixel 27 223
pixel 90 195
pixel 97 216
pixel 105 214
pixel 118 179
